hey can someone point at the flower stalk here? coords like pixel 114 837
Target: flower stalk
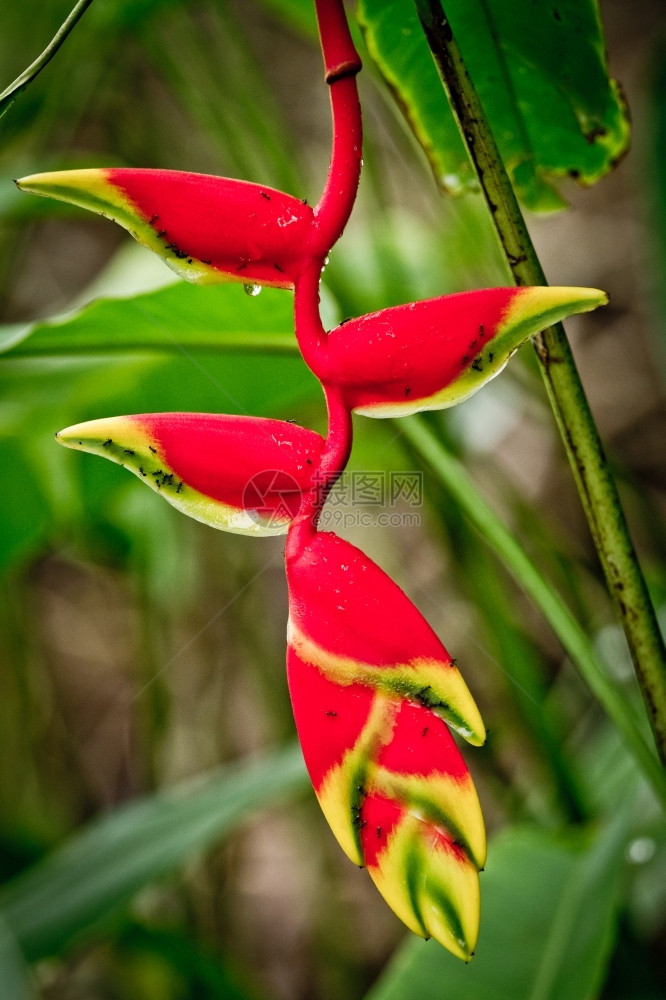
pixel 593 477
pixel 341 65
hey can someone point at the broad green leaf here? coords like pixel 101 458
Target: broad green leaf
pixel 101 868
pixel 192 381
pixel 542 79
pixel 177 317
pixel 548 924
pixel 203 353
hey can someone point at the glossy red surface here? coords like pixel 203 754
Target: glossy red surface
pixel 379 817
pixel 250 232
pixel 421 744
pixel 344 602
pixel 242 461
pixel 412 351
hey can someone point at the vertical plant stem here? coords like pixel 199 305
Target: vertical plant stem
pixel 592 475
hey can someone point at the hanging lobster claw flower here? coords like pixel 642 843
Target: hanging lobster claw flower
pixel 435 353
pixel 240 474
pixel 372 690
pixel 207 229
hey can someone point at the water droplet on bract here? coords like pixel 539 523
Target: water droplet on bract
pixel 251 289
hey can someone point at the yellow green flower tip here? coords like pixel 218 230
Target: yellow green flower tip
pixel 427 880
pixel 528 312
pixel 536 308
pixel 399 798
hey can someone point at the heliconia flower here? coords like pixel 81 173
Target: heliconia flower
pixel 372 690
pixel 241 474
pixel 437 352
pixel 207 229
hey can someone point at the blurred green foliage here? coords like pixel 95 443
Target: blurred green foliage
pixel 140 649
pixel 542 79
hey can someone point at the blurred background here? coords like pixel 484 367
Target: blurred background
pixel 141 649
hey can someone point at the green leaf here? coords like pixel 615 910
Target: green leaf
pixel 548 924
pixel 542 79
pixel 171 350
pixel 127 15
pixel 101 868
pixel 24 506
pixel 173 953
pixel 9 95
pixel 177 317
pixel 14 975
pixel 298 13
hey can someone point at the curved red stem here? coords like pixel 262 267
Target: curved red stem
pixel 340 56
pixel 342 63
pixel 308 327
pixel 333 461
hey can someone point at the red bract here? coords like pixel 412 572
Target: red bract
pixel 351 620
pixel 241 474
pixel 434 353
pixel 208 229
pixel 372 689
